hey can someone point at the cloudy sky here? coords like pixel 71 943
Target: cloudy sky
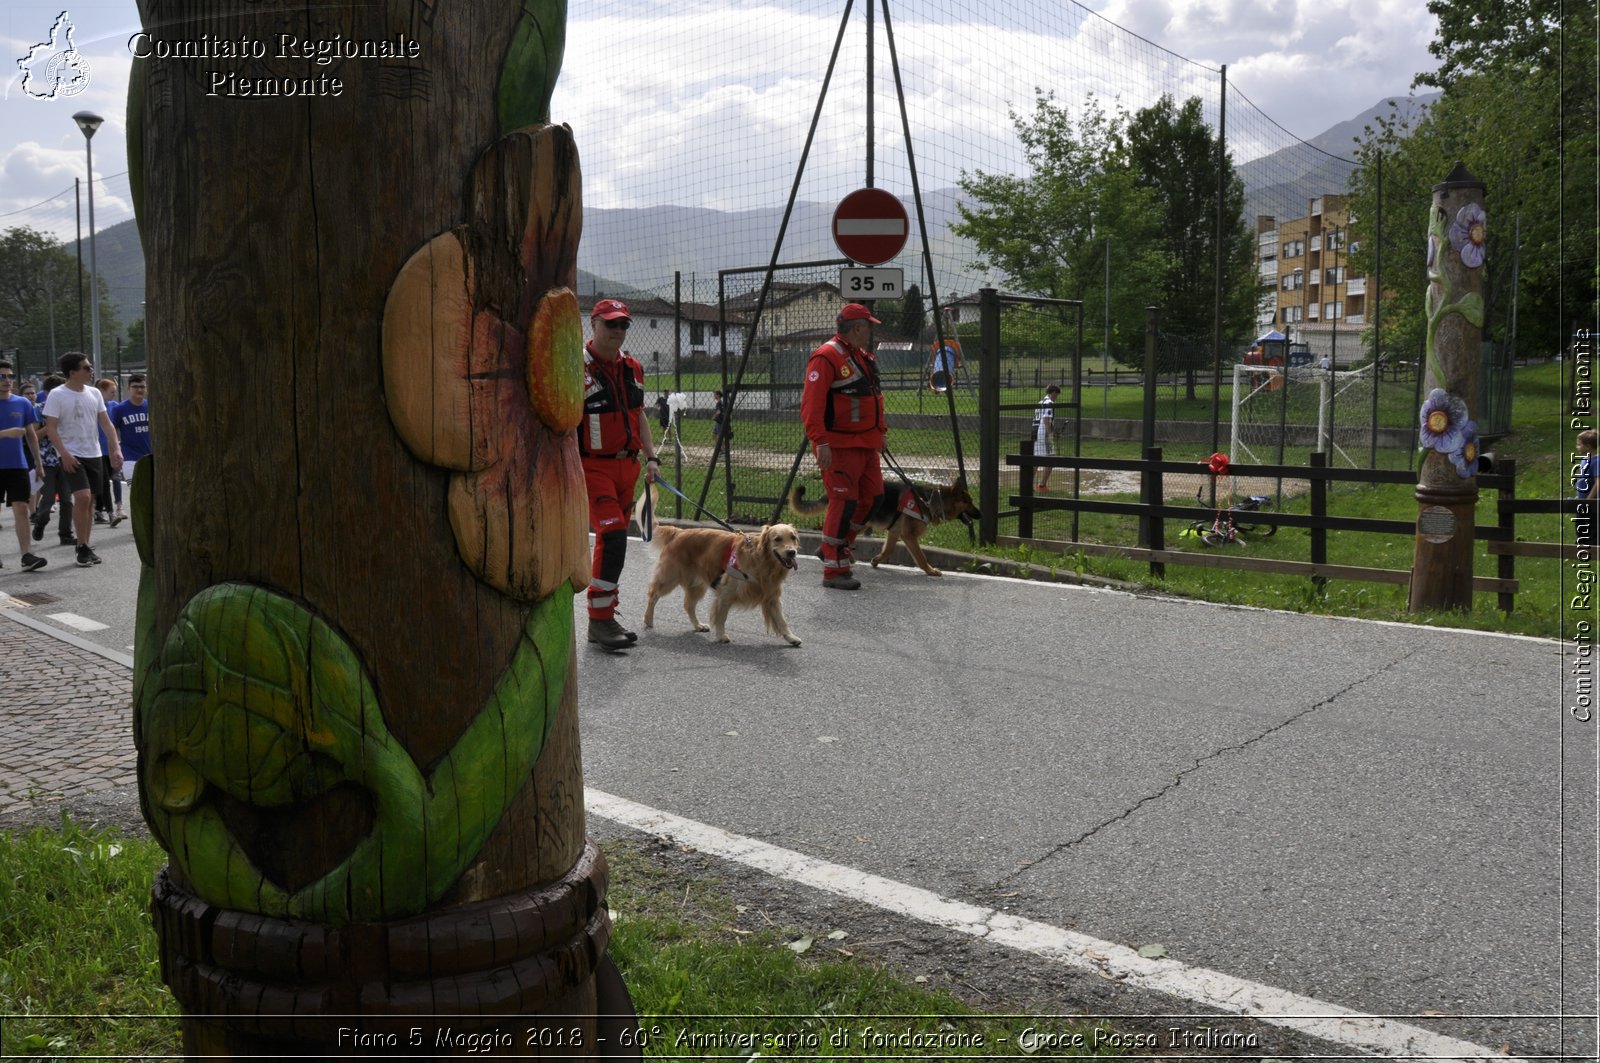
pixel 680 103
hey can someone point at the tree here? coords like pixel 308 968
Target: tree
pixel 38 275
pixel 1175 155
pixel 366 411
pixel 913 314
pixel 1529 147
pixel 1050 232
pixel 1512 38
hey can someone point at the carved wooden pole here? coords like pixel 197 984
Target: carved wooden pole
pixel 1447 489
pixel 355 684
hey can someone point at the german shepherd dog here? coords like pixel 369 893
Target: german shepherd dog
pixel 899 516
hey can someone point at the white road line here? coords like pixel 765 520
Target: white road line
pixel 1211 989
pixel 79 623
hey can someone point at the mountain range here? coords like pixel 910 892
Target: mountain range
pixel 637 250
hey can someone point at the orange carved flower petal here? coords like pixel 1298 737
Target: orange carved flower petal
pixel 555 360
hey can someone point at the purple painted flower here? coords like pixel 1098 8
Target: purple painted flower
pixel 1466 459
pixel 1444 421
pixel 1467 234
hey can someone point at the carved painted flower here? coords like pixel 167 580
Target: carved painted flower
pixel 1444 421
pixel 483 361
pixel 1466 459
pixel 1467 234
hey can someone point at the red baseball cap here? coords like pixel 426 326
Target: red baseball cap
pixel 611 310
pixel 857 312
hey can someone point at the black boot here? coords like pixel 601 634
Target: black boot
pixel 610 635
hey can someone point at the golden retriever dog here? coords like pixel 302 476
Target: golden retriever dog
pixel 742 570
pixel 897 516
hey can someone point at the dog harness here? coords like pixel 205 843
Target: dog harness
pixel 907 505
pixel 730 564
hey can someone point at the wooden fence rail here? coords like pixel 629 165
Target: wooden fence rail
pixel 1154 511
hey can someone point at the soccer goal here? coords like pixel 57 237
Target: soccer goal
pixel 1301 406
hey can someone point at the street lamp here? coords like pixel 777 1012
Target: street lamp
pixel 88 121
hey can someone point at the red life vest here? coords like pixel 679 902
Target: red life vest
pixel 613 403
pixel 843 400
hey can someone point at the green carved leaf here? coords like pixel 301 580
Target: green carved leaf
pixel 1470 307
pixel 255 698
pixel 532 64
pixel 135 142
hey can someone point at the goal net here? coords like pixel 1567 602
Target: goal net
pixel 1278 409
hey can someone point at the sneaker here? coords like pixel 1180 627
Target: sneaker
pixel 842 583
pixel 608 634
pixel 38 529
pixel 1043 489
pixel 69 540
pixel 32 562
pixel 100 517
pixel 118 517
pixel 87 557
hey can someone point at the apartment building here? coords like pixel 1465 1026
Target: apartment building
pixel 1307 289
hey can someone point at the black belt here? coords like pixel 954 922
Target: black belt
pixel 618 454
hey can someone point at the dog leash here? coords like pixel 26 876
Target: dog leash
pixel 922 503
pixel 692 502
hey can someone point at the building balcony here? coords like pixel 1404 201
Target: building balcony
pixel 1356 286
pixel 1355 319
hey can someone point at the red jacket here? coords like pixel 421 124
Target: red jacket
pixel 613 403
pixel 842 401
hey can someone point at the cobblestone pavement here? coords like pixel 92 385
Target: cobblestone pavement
pixel 66 719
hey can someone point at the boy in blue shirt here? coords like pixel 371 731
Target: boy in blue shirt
pixel 132 422
pixel 18 419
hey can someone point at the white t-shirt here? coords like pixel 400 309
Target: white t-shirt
pixel 1044 422
pixel 77 416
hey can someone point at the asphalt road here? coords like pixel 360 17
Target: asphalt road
pixel 1367 814
pixel 1370 815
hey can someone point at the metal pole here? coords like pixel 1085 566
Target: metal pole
pixel 1147 439
pixel 927 246
pixel 94 275
pixel 989 414
pixel 1105 343
pixel 1377 310
pixel 1333 359
pixel 77 214
pixel 50 298
pixel 872 139
pixel 1216 319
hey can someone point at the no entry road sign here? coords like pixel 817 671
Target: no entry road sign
pixel 870 226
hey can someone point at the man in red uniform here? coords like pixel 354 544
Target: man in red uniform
pixel 841 407
pixel 612 435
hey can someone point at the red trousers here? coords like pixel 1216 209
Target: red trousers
pixel 610 483
pixel 853 481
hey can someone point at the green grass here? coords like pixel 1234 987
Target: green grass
pixel 1538 443
pixel 75 940
pixel 76 943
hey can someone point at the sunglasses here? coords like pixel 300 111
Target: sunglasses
pixel 621 324
pixel 8 376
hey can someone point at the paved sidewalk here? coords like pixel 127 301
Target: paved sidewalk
pixel 68 717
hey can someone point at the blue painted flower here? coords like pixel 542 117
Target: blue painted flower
pixel 1444 421
pixel 1467 234
pixel 1466 459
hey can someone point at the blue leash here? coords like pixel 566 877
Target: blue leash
pixel 691 502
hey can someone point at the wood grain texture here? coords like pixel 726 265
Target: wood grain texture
pixel 275 230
